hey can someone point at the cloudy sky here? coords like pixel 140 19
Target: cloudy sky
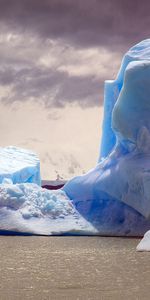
pixel 54 58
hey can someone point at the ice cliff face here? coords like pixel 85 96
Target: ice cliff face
pixel 112 88
pixel 124 174
pixel 131 113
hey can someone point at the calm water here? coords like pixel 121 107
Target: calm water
pixel 73 268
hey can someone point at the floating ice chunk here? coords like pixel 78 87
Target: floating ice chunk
pixel 144 244
pixel 19 165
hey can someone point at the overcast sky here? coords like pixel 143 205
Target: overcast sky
pixel 55 56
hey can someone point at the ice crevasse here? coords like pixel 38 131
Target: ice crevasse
pixel 113 198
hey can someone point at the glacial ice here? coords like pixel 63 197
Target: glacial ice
pixel 144 244
pixel 28 208
pixel 112 88
pixel 19 165
pixel 123 176
pixel 113 198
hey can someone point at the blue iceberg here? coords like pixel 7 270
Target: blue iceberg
pixel 113 198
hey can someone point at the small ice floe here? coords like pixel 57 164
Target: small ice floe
pixel 144 244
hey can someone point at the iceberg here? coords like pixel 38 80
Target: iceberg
pixel 144 244
pixel 111 199
pixel 19 165
pixel 118 188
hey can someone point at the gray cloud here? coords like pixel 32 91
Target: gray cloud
pixel 85 22
pixel 53 88
pixel 60 33
pixel 85 91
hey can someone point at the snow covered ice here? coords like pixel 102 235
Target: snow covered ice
pixel 113 198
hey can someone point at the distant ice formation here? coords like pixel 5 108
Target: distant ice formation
pixel 111 199
pixel 19 165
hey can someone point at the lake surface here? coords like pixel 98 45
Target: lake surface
pixel 33 267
